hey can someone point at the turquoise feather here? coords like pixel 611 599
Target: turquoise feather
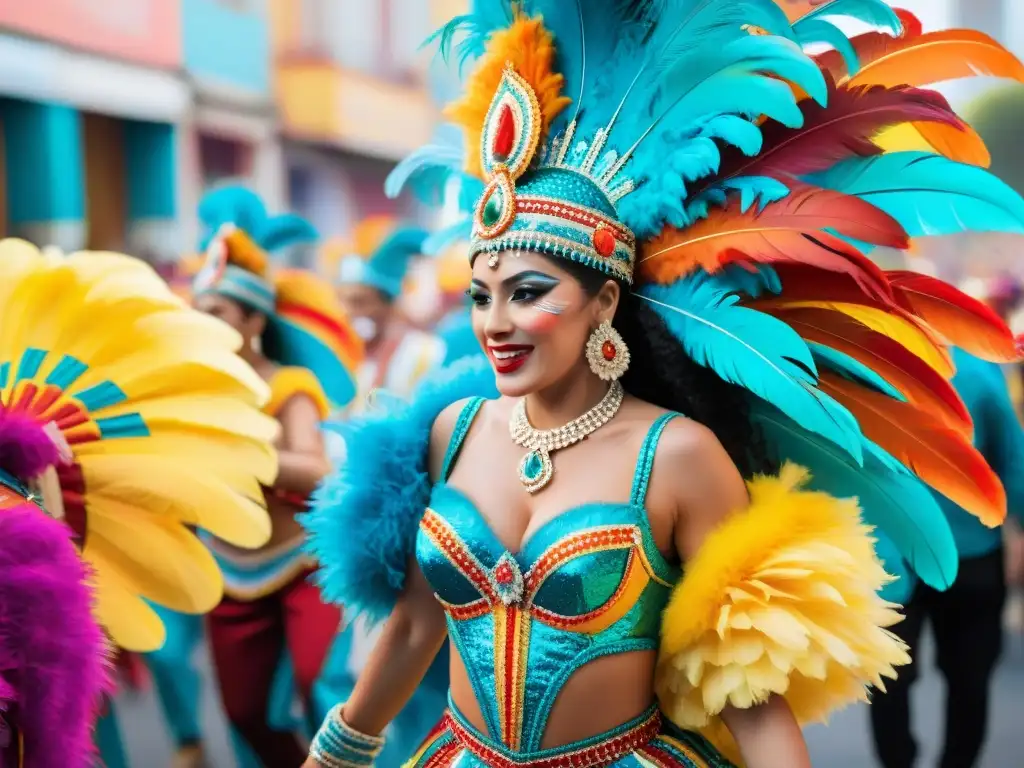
pixel 282 231
pixel 877 13
pixel 245 209
pixel 811 31
pixel 752 349
pixel 851 369
pixel 928 194
pixel 897 503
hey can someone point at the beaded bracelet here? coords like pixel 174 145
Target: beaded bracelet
pixel 338 745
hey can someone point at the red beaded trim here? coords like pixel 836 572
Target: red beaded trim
pixel 455 549
pixel 603 753
pixel 473 610
pixel 577 214
pixel 578 545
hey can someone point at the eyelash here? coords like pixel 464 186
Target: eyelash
pixel 524 293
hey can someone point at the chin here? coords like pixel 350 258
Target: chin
pixel 517 384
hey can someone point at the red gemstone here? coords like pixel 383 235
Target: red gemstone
pixel 608 350
pixel 503 574
pixel 505 136
pixel 604 241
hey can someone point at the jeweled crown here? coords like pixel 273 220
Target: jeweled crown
pixel 559 200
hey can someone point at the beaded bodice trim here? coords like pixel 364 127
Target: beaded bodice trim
pixel 589 583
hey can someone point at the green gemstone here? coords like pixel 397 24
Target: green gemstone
pixel 494 208
pixel 533 466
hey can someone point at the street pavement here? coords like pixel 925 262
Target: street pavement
pixel 843 743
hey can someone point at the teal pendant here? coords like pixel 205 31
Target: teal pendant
pixel 535 470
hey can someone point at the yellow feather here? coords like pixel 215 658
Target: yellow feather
pixel 164 562
pixel 913 337
pixel 781 599
pixel 129 621
pixel 964 146
pixel 195 498
pixel 208 449
pixel 530 48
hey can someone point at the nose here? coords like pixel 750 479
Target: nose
pixel 497 324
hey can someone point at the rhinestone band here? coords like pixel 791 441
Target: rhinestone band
pixel 536 469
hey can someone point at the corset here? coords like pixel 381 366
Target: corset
pixel 589 583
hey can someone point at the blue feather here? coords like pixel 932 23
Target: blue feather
pixel 281 231
pixel 734 130
pixel 897 503
pixel 759 190
pixel 852 369
pixel 363 520
pixel 438 242
pixel 754 350
pixel 230 205
pixel 928 194
pixel 877 13
pixel 434 162
pixel 811 31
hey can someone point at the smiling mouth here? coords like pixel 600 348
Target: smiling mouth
pixel 508 359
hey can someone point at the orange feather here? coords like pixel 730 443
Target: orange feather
pixel 530 48
pixel 931 58
pixel 788 230
pixel 960 143
pixel 961 320
pixel 909 374
pixel 939 456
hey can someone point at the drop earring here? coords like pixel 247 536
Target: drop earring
pixel 607 353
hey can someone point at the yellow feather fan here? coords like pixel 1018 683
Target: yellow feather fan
pixel 781 599
pixel 162 418
pixel 530 48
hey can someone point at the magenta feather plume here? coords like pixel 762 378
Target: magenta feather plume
pixel 54 669
pixel 26 450
pixel 842 129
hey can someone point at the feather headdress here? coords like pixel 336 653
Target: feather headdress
pixel 306 325
pixel 693 149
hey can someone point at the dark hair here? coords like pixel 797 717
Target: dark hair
pixel 661 373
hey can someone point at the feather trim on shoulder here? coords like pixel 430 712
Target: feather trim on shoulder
pixel 782 599
pixel 363 521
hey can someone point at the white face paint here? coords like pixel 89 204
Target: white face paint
pixel 365 328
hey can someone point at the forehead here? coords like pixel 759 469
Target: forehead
pixel 209 301
pixel 512 263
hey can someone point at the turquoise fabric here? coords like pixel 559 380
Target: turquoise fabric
pixel 573 592
pixel 177 681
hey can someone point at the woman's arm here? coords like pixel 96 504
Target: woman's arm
pixel 708 487
pixel 302 458
pixel 412 636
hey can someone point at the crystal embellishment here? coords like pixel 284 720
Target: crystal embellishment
pixel 507 579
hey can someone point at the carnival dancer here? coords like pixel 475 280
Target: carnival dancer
pixel 670 282
pixel 297 339
pixel 125 419
pixel 369 285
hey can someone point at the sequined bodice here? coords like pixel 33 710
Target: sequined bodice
pixel 587 584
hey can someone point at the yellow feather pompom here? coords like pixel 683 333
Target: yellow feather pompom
pixel 781 599
pixel 244 253
pixel 530 48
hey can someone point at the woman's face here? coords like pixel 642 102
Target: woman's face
pixel 249 324
pixel 533 319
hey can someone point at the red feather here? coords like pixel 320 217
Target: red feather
pixel 921 384
pixel 942 458
pixel 963 321
pixel 842 129
pixel 789 230
pixel 911 24
pixel 801 282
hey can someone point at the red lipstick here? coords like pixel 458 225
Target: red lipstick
pixel 509 358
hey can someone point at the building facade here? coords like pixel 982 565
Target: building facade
pixel 353 99
pixel 91 106
pixel 232 132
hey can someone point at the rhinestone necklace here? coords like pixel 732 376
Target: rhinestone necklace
pixel 536 469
